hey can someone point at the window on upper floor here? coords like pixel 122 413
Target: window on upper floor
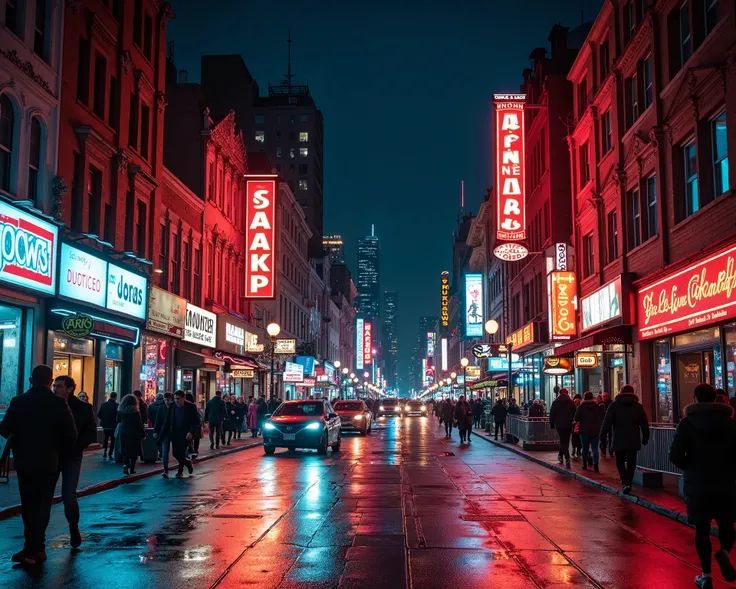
pixel 112 106
pixel 303 169
pixel 100 82
pixel 138 22
pixel 148 36
pixel 303 151
pixel 94 200
pixel 260 136
pixel 133 120
pixel 278 151
pixel 39 30
pixel 690 166
pixel 632 100
pixel 606 132
pixel 175 257
pixel 646 81
pixel 83 64
pixel 197 275
pixel 582 97
pixel 629 19
pixel 686 39
pixel 584 165
pixel 712 14
pixel 304 118
pixel 140 228
pixel 634 218
pixel 211 182
pixel 650 196
pixel 719 142
pixel 588 255
pixel 604 59
pixel 34 158
pixel 292 152
pixel 12 17
pixel 611 236
pixel 303 184
pixel 7 124
pixel 303 137
pixel 163 254
pixel 259 119
pixel 186 270
pixel 220 189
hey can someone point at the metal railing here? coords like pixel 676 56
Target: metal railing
pixel 655 455
pixel 531 429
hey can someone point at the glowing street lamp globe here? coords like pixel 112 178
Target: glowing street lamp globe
pixel 338 363
pixel 491 327
pixel 273 329
pixel 464 362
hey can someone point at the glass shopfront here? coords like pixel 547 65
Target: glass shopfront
pixel 12 344
pixel 76 358
pixel 150 366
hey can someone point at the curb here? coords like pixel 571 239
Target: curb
pixel 665 511
pixel 13 510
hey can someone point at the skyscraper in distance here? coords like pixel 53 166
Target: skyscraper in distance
pixel 390 344
pixel 333 245
pixel 369 283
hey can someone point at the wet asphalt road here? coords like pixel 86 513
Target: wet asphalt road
pixel 402 507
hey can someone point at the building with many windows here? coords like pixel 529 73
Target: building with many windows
pixel 333 245
pixel 390 341
pixel 369 280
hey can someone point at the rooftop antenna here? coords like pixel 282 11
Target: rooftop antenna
pixel 462 195
pixel 288 75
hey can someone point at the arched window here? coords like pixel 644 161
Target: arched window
pixel 34 158
pixel 7 120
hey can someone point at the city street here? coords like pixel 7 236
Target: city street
pixel 402 507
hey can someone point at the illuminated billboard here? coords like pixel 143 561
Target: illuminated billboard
pixel 367 343
pixel 430 344
pixel 445 300
pixel 359 328
pixel 562 302
pixel 474 305
pixel 260 239
pixel 510 158
pixel 444 355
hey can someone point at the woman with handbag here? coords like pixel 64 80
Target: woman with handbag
pixel 130 432
pixel 577 445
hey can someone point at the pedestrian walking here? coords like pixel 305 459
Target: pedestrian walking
pixel 722 397
pixel 463 416
pixel 84 397
pixel 702 439
pixel 589 419
pixel 448 412
pixel 189 397
pixel 253 418
pixel 231 419
pixel 606 442
pixel 162 437
pixel 561 415
pixel 262 411
pixel 107 414
pixel 499 413
pixel 214 414
pixel 182 423
pixel 40 429
pixel 577 445
pixel 241 410
pixel 628 421
pixel 130 432
pixel 536 409
pixel 477 412
pixel 438 411
pixel 153 415
pixel 142 408
pixel 70 465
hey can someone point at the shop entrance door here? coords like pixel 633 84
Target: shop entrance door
pixel 693 368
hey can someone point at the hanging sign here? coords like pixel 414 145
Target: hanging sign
pixel 359 329
pixel 200 326
pixel 522 337
pixel 284 346
pixel 166 312
pixel 510 252
pixel 242 372
pixel 367 343
pixel 473 305
pixel 260 239
pixel 78 325
pixel 510 161
pixel 293 372
pixel 586 360
pixel 556 365
pixel 562 302
pixel 445 299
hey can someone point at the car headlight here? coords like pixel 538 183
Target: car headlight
pixel 397 408
pixel 314 425
pixel 380 408
pixel 424 407
pixel 358 417
pixel 269 426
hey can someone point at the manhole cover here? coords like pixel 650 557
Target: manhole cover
pixel 448 454
pixel 493 518
pixel 235 516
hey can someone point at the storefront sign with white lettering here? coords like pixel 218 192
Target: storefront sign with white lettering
pixel 200 326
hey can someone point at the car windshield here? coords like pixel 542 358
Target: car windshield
pixel 389 401
pixel 348 406
pixel 299 409
pixel 415 403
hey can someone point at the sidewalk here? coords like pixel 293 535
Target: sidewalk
pixel 665 501
pixel 99 475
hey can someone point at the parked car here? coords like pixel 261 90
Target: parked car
pixel 415 407
pixel 354 416
pixel 389 407
pixel 302 424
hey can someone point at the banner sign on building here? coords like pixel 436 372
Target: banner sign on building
pixel 367 343
pixel 444 351
pixel 284 346
pixel 260 239
pixel 586 360
pixel 472 373
pixel 359 329
pixel 500 364
pixel 293 372
pixel 560 256
pixel 562 299
pixel 308 363
pixel 166 312
pixel 698 295
pixel 240 372
pixel 27 250
pixel 445 300
pixel 603 305
pixel 82 276
pixel 474 305
pixel 200 326
pixel 522 337
pixel 430 344
pixel 127 293
pixel 510 158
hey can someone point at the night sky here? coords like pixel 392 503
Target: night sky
pixel 404 88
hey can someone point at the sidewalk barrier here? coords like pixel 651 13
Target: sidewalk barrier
pixel 655 455
pixel 535 433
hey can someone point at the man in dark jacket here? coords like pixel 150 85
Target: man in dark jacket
pixel 477 412
pixel 142 407
pixel 704 437
pixel 214 414
pixel 70 465
pixel 630 427
pixel 107 414
pixel 499 413
pixel 153 414
pixel 536 409
pixel 561 415
pixel 590 419
pixel 161 435
pixel 606 443
pixel 182 424
pixel 42 429
pixel 448 412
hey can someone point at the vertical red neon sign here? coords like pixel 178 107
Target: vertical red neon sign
pixel 510 181
pixel 260 239
pixel 367 343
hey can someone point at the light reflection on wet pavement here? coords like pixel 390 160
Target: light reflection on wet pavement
pixel 401 507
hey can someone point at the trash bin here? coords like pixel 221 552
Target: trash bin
pixel 487 415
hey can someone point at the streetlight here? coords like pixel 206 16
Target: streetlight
pixel 366 374
pixel 492 327
pixel 464 363
pixel 453 375
pixel 273 330
pixel 343 380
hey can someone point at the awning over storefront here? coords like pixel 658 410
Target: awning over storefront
pixel 187 359
pixel 620 334
pixel 482 384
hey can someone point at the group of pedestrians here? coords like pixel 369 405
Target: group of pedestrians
pixel 229 416
pixel 463 414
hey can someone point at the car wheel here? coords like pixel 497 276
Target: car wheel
pixel 336 445
pixel 322 448
pixel 269 449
